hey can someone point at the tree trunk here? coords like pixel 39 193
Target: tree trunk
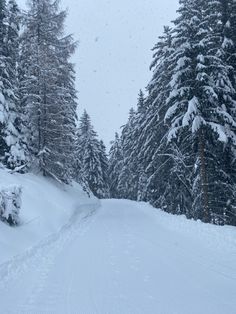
pixel 204 181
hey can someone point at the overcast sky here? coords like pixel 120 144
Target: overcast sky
pixel 114 54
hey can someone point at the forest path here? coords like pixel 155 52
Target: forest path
pixel 125 258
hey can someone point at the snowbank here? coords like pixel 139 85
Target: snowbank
pixel 220 238
pixel 46 208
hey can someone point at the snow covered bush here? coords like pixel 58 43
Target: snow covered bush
pixel 10 204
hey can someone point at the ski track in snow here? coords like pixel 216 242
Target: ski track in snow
pixel 40 259
pixel 124 258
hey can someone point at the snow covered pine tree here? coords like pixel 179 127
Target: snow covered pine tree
pixel 91 159
pixel 187 136
pixel 47 88
pixel 12 147
pixel 115 166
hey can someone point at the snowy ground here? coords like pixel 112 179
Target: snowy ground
pixel 46 207
pixel 125 258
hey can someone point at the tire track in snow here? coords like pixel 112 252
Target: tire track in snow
pixel 90 218
pixel 121 250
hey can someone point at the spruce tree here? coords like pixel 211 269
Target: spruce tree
pixel 200 83
pixel 91 166
pixel 164 187
pixel 47 86
pixel 104 166
pixel 115 166
pixel 228 54
pixel 132 179
pixel 137 180
pixel 127 184
pixel 13 149
pixel 184 142
pixel 4 112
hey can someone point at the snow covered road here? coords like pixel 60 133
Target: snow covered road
pixel 126 258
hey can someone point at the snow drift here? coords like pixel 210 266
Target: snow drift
pixel 46 207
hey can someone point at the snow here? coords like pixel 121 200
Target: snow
pixel 46 207
pixel 219 129
pixel 10 204
pixel 173 133
pixel 227 43
pixel 198 121
pixel 123 257
pixel 191 112
pixel 171 111
pixel 182 62
pixel 2 98
pixel 201 58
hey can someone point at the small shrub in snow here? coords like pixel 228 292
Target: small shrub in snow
pixel 10 204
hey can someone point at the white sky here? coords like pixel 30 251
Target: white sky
pixel 114 54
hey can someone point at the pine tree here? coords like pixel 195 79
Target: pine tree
pixel 115 166
pixel 47 86
pixel 3 115
pixel 13 149
pixel 91 167
pixel 138 179
pixel 165 186
pixel 200 82
pixel 104 166
pixel 127 184
pixel 228 54
pixel 180 151
pixel 132 178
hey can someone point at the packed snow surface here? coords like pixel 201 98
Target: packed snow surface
pixel 126 258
